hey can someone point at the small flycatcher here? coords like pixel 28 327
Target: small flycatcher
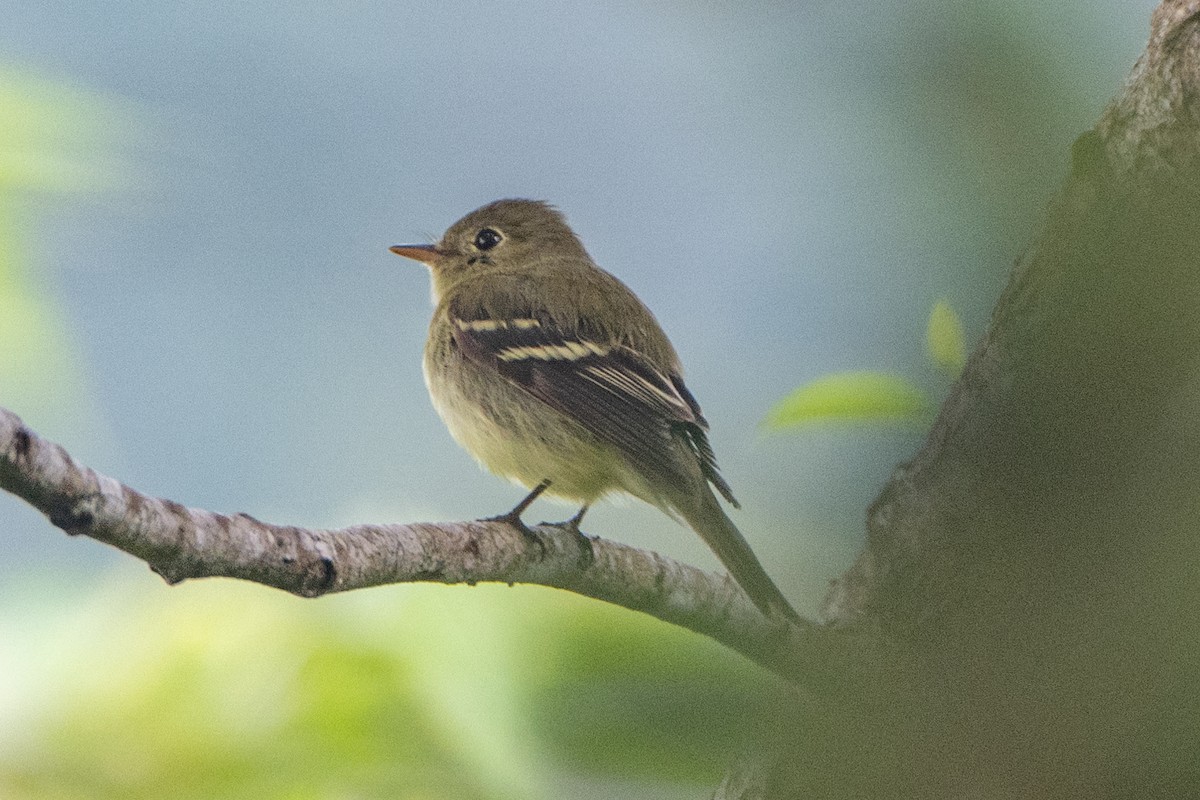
pixel 552 373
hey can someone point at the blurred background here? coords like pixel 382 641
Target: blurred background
pixel 196 297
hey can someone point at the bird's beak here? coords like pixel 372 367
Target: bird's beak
pixel 425 253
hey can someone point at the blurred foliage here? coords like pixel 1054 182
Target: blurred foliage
pixel 221 689
pixel 53 140
pixel 54 136
pixel 652 700
pixel 876 397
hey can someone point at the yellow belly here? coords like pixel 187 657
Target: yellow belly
pixel 517 436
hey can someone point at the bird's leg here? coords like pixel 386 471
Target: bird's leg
pixel 513 517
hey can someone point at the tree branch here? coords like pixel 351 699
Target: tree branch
pixel 180 543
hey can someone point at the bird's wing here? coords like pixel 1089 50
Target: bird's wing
pixel 612 390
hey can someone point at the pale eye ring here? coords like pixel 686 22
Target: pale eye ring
pixel 487 238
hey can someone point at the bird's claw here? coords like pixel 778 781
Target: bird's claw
pixel 587 552
pixel 513 520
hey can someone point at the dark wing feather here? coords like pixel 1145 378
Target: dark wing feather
pixel 611 390
pixel 697 440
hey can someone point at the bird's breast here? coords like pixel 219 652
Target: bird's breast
pixel 511 432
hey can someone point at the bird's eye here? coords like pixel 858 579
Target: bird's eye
pixel 487 238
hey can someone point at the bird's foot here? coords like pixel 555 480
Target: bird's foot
pixel 587 553
pixel 513 518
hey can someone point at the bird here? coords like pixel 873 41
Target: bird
pixel 552 373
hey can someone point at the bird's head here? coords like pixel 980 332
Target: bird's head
pixel 507 235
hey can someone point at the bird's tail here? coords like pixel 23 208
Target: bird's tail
pixel 708 519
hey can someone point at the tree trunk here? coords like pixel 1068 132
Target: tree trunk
pixel 1035 566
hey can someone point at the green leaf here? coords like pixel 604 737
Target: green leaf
pixel 851 397
pixel 944 339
